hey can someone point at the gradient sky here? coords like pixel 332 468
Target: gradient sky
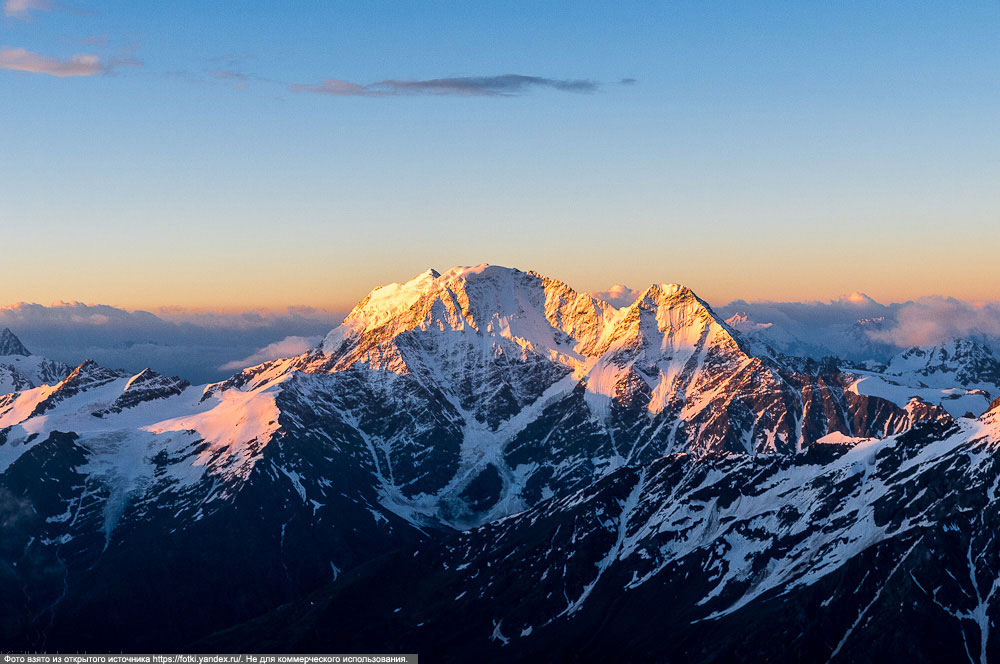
pixel 764 150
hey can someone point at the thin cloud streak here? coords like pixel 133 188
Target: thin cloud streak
pixel 100 41
pixel 238 79
pixel 22 8
pixel 228 74
pixel 507 85
pixel 19 59
pixel 81 64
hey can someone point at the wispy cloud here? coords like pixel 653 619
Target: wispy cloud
pixel 238 79
pixel 100 41
pixel 81 64
pixel 287 347
pixel 229 74
pixel 22 8
pixel 507 85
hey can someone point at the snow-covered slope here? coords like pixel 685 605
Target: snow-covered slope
pixel 472 394
pixel 507 386
pixel 965 362
pixel 116 481
pixel 857 550
pixel 962 376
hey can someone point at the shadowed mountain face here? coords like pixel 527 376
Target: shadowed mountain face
pixel 20 370
pixel 11 345
pixel 488 449
pixel 841 553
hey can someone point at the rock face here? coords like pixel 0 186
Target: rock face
pixel 11 345
pixel 20 370
pixel 547 457
pixel 847 552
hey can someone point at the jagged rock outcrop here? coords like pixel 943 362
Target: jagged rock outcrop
pixel 20 370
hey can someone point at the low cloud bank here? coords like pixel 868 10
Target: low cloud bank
pixel 846 309
pixel 856 327
pixel 192 345
pixel 932 320
pixel 287 347
pixel 205 347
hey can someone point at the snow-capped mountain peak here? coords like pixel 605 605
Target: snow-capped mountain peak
pixel 540 315
pixel 20 370
pixel 536 314
pixel 857 297
pixel 11 345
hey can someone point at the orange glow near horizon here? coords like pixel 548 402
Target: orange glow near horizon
pixel 750 155
pixel 337 289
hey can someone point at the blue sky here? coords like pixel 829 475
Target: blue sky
pixel 764 150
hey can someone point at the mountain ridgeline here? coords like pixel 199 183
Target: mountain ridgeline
pixel 486 460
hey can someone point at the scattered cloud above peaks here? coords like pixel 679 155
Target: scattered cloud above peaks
pixel 507 85
pixel 19 59
pixel 933 320
pixel 100 41
pixel 22 8
pixel 287 347
pixel 229 74
pixel 618 295
pixel 82 64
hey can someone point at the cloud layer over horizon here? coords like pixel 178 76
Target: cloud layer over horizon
pixel 859 328
pixel 193 345
pixel 205 347
pixel 854 326
pixel 931 320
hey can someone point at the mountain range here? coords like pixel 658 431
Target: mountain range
pixel 488 461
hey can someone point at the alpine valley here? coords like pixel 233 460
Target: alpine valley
pixel 487 464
